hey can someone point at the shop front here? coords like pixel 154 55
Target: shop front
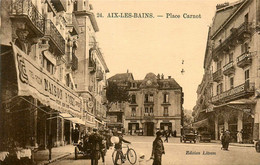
pixel 133 128
pixel 236 117
pixel 32 101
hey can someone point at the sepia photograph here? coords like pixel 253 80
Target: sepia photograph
pixel 133 82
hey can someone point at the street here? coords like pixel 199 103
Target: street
pixel 181 153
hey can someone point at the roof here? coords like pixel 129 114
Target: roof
pixel 222 15
pixel 122 77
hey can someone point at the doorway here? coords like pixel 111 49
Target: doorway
pixel 150 128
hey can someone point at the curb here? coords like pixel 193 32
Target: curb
pixel 237 145
pixel 55 159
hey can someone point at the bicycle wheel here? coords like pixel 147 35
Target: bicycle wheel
pixel 119 161
pixel 131 156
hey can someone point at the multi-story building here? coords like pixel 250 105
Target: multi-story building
pixel 155 104
pixel 228 98
pixel 90 77
pixel 42 75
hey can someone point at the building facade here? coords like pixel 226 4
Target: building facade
pixel 155 104
pixel 41 94
pixel 228 96
pixel 90 77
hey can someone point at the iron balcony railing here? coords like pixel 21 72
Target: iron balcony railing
pixel 237 92
pixel 52 32
pixel 244 59
pixel 25 8
pixel 217 75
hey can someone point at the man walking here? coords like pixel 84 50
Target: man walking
pixel 158 149
pixel 96 141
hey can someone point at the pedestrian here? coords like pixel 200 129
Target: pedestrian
pixel 166 136
pixel 226 140
pixel 50 145
pixel 103 146
pixel 96 141
pixel 158 149
pixel 239 136
pixel 118 147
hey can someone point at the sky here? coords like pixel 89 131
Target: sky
pixel 159 44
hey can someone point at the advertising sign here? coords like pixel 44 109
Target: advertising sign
pixel 34 81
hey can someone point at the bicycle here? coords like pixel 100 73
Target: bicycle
pixel 130 155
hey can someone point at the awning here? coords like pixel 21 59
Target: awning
pixel 201 123
pixel 77 120
pixel 65 115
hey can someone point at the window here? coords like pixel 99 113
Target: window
pixel 151 98
pixel 133 112
pixel 165 98
pixel 218 65
pixel 246 18
pixel 48 65
pixel 231 80
pixel 247 77
pixel 146 98
pixel 146 111
pixel 230 57
pixel 133 99
pixel 244 48
pixel 151 110
pixel 165 111
pixel 219 88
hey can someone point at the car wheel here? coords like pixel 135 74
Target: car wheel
pixel 257 147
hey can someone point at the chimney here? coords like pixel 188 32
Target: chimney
pixel 169 77
pixel 158 76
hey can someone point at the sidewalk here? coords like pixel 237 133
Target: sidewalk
pixel 234 144
pixel 42 157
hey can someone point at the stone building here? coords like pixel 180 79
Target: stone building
pixel 155 104
pixel 228 97
pixel 90 77
pixel 41 93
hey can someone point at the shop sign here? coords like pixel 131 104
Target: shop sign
pixel 229 93
pixel 133 121
pixel 34 81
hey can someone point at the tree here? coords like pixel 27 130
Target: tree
pixel 188 118
pixel 116 93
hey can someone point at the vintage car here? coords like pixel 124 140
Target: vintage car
pixel 257 146
pixel 188 135
pixel 205 136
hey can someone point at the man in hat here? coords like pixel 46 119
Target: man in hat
pixel 158 149
pixel 96 141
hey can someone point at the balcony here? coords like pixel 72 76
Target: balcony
pixel 24 11
pixel 74 62
pixel 244 60
pixel 72 23
pixel 229 68
pixel 243 90
pixel 55 37
pixel 217 76
pixel 243 31
pixel 92 66
pixel 99 75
